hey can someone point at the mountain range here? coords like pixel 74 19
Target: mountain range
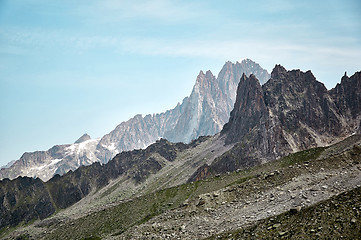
pixel 291 112
pixel 288 144
pixel 203 113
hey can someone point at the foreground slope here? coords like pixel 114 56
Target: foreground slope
pixel 337 218
pixel 226 203
pixel 289 184
pixel 203 113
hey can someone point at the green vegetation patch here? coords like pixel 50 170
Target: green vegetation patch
pixel 92 238
pixel 240 180
pixel 301 157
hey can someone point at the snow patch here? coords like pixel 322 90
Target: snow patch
pixel 81 147
pixel 52 162
pixel 110 147
pixel 86 144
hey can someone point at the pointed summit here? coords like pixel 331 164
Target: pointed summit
pixel 209 73
pixel 248 109
pixel 246 61
pixel 344 78
pixel 83 138
pixel 347 96
pixel 204 81
pixel 277 71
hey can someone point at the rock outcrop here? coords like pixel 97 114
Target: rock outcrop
pixel 22 200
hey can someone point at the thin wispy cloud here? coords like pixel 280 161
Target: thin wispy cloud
pixel 49 39
pixel 162 11
pixel 225 40
pixel 156 9
pixel 268 50
pixel 231 49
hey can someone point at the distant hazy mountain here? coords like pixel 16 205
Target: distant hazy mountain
pixel 204 112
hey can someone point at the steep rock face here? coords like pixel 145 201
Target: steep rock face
pixel 347 98
pixel 289 113
pixel 307 112
pixel 249 109
pixel 23 199
pixel 33 163
pixel 204 112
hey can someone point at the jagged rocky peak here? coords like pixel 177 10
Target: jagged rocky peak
pixel 205 80
pixel 278 71
pixel 251 67
pixel 247 63
pixel 248 109
pixel 286 88
pixel 230 74
pixel 295 77
pixel 301 103
pixel 83 138
pixel 9 164
pixel 235 70
pixel 209 74
pixel 347 95
pixel 291 112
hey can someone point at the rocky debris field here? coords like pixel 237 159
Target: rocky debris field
pixel 260 196
pixel 336 218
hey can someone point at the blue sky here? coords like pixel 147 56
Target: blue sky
pixel 70 67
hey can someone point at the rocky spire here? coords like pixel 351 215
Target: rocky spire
pixel 248 109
